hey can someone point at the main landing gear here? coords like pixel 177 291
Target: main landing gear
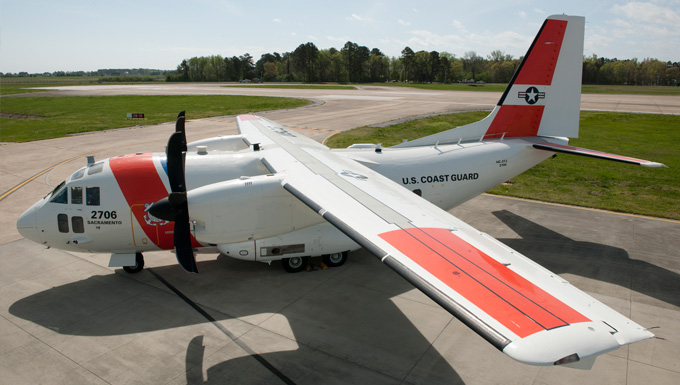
pixel 139 265
pixel 297 264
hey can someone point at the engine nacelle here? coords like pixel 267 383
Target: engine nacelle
pixel 313 241
pixel 219 143
pixel 245 209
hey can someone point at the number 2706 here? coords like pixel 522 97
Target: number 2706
pixel 103 214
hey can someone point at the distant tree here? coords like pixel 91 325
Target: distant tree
pixel 378 66
pixel 407 57
pixel 247 66
pixel 355 57
pixel 434 63
pixel 270 71
pixel 306 57
pixel 472 63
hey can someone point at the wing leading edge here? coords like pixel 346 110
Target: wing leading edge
pixel 515 304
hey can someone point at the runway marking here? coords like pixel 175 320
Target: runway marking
pixel 224 330
pixel 43 172
pixel 581 208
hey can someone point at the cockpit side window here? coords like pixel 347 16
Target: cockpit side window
pixel 92 196
pixel 60 195
pixel 76 195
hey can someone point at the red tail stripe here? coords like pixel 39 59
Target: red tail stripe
pixel 512 300
pixel 539 67
pixel 516 121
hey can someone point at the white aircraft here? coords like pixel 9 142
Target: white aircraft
pixel 249 196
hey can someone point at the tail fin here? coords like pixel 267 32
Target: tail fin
pixel 543 97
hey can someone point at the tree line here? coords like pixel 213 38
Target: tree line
pixel 359 64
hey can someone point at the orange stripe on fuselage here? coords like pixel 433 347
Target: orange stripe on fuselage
pixel 512 300
pixel 141 185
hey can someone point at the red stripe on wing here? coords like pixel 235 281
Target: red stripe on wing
pixel 512 300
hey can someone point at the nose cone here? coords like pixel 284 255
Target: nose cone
pixel 28 226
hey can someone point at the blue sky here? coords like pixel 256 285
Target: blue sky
pixel 69 35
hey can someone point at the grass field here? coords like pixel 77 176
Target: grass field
pixel 34 118
pixel 578 180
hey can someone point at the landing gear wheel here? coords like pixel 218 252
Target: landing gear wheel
pixel 335 259
pixel 294 264
pixel 139 265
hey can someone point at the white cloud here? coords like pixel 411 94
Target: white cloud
pixel 277 21
pixel 360 18
pixel 459 26
pixel 334 39
pixel 648 12
pixel 406 23
pixel 521 14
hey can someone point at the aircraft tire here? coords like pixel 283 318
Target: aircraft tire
pixel 139 259
pixel 295 264
pixel 335 259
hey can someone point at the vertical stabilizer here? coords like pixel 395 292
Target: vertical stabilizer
pixel 543 97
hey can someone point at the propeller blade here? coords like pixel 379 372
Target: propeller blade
pixel 179 127
pixel 175 207
pixel 176 162
pixel 183 249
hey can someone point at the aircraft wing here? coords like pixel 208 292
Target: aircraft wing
pixel 521 308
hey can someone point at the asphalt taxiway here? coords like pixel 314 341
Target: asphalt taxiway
pixel 66 318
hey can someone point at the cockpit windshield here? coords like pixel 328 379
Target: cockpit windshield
pixel 59 194
pixel 54 190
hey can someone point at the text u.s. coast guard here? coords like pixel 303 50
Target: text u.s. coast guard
pixel 442 178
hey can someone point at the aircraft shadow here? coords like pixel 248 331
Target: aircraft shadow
pixel 352 318
pixel 603 263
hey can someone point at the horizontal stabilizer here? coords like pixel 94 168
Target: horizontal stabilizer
pixel 595 154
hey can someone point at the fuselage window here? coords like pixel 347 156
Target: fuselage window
pixel 77 224
pixel 418 192
pixel 95 168
pixel 76 195
pixel 79 174
pixel 60 196
pixel 62 221
pixel 92 196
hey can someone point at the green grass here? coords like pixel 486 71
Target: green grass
pixel 35 118
pixel 389 136
pixel 579 180
pixel 295 86
pixel 11 86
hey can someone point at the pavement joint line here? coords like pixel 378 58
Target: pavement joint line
pixel 263 361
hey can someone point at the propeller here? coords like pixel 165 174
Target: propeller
pixel 174 207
